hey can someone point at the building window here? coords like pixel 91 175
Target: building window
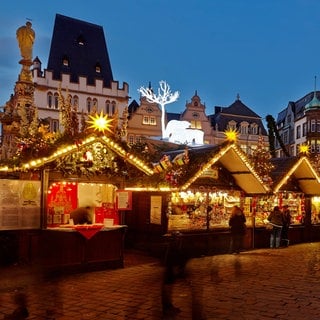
pixel 95 105
pixel 298 134
pixel 55 126
pixel 76 101
pixel 196 124
pixel 254 128
pixel 113 107
pixel 65 61
pixel 89 105
pixel 318 126
pixel 304 129
pixel 232 125
pixel 131 139
pixel 56 101
pixel 313 126
pixel 98 68
pixel 107 106
pixel 149 120
pixel 244 129
pixel 285 137
pixel 49 100
pixel 80 40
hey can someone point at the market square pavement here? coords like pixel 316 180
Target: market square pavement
pixel 253 285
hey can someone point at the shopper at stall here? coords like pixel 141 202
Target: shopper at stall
pixel 237 223
pixel 81 215
pixel 286 225
pixel 275 218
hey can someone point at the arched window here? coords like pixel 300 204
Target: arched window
pixel 75 101
pixel 107 104
pixel 232 125
pixel 49 99
pixel 113 108
pixel 56 101
pixel 89 104
pixel 95 105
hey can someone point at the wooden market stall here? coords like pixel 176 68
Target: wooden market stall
pixel 297 184
pixel 204 183
pixel 87 174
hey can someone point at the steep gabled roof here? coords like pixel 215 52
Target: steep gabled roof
pixel 231 159
pixel 79 48
pixel 295 174
pixel 238 112
pixel 239 108
pixel 73 148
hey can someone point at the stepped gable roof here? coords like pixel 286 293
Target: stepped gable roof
pixel 238 112
pixel 294 174
pixel 79 48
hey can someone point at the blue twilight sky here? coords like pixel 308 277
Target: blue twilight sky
pixel 265 50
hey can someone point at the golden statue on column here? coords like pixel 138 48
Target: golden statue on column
pixel 26 37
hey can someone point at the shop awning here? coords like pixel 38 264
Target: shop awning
pixel 299 169
pixel 235 161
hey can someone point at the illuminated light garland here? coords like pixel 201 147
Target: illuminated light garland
pixel 216 158
pixel 64 151
pixel 290 172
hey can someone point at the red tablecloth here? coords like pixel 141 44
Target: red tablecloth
pixel 88 231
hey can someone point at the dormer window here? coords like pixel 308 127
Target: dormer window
pixel 80 40
pixel 98 68
pixel 65 61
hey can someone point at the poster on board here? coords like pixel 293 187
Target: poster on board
pixel 19 204
pixel 155 209
pixel 124 200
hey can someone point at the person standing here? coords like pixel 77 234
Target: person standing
pixel 275 218
pixel 237 223
pixel 286 225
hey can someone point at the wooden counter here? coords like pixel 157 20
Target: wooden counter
pixel 67 250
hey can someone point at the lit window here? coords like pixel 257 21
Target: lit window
pixel 65 61
pixel 145 120
pixel 195 124
pixel 153 121
pixel 98 68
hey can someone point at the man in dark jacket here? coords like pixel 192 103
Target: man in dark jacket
pixel 276 220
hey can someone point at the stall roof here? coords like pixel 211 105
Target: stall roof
pixel 66 150
pixel 298 168
pixel 231 157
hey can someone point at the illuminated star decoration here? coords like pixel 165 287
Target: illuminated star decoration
pixel 100 122
pixel 304 149
pixel 231 135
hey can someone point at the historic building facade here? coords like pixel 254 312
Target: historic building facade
pixel 79 74
pixel 299 124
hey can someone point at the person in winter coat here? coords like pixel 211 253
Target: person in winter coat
pixel 237 223
pixel 286 225
pixel 276 220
